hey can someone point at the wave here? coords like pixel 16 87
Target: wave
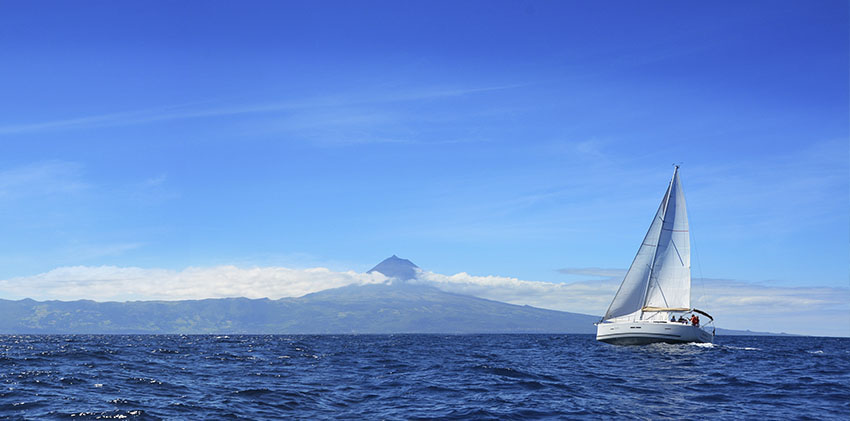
pixel 419 376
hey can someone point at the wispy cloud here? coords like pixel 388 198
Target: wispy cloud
pixel 757 298
pixel 443 92
pixel 41 178
pixel 768 198
pixel 83 252
pixel 104 120
pixel 209 109
pixel 152 190
pixel 617 273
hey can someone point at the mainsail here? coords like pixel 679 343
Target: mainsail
pixel 660 275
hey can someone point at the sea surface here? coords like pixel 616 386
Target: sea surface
pixel 420 377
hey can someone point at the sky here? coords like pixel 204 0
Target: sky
pixel 515 150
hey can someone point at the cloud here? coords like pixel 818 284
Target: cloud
pixel 152 190
pixel 102 120
pixel 578 297
pixel 90 251
pixel 204 110
pixel 616 273
pixel 775 308
pixel 111 283
pixel 734 304
pixel 790 192
pixel 41 178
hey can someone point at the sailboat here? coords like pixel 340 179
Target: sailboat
pixel 653 303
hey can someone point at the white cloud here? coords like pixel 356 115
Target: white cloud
pixel 110 283
pixel 578 297
pixel 601 272
pixel 734 304
pixel 774 308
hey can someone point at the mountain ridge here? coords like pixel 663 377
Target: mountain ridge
pixel 360 309
pixel 385 308
pixel 240 315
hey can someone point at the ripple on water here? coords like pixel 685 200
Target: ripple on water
pixel 419 377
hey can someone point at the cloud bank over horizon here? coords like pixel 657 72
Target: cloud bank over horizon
pixel 735 304
pixel 113 283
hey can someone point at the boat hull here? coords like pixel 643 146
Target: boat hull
pixel 645 332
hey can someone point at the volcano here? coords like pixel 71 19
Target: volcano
pixel 408 306
pixel 397 268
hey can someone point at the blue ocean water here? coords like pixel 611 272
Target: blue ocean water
pixel 420 377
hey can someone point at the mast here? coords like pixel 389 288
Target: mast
pixel 663 217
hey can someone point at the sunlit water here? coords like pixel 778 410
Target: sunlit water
pixel 420 377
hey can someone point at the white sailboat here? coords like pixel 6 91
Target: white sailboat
pixel 656 291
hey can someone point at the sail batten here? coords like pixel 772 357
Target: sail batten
pixel 659 276
pixel 658 309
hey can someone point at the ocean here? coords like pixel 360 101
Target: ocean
pixel 420 377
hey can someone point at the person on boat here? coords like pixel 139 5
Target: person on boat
pixel 673 319
pixel 695 320
pixel 682 320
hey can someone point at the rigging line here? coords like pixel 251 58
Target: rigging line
pixel 663 297
pixel 666 202
pixel 679 255
pixel 699 265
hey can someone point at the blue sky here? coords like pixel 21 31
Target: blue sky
pixel 529 140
